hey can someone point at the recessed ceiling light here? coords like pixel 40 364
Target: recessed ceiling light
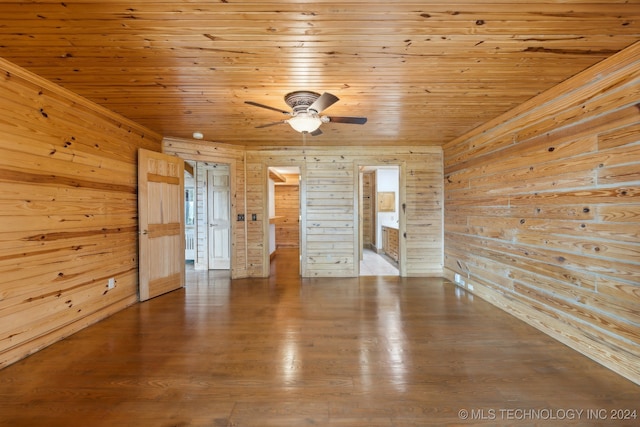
pixel 198 135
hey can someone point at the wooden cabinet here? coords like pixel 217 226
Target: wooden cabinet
pixel 390 242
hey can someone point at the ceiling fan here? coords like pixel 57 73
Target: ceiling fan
pixel 306 108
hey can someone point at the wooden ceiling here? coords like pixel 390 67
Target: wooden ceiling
pixel 423 72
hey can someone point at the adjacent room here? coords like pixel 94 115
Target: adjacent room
pixel 290 213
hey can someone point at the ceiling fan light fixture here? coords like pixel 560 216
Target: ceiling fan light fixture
pixel 306 108
pixel 305 122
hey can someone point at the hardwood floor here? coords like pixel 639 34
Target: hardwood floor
pixel 282 351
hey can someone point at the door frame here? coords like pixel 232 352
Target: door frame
pixel 302 212
pixel 202 260
pixel 402 214
pixel 361 217
pixel 209 201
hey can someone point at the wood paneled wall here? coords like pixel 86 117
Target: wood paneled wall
pixel 542 212
pixel 329 205
pixel 68 212
pixel 287 204
pixel 201 256
pixel 368 210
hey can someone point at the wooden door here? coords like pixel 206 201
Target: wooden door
pixel 161 223
pixel 218 217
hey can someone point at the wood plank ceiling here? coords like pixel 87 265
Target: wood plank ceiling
pixel 423 72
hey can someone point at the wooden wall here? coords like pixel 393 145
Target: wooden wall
pixel 287 204
pixel 542 212
pixel 68 212
pixel 201 256
pixel 368 210
pixel 329 205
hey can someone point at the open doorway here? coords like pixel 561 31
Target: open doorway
pixel 207 216
pixel 189 215
pixel 284 210
pixel 379 220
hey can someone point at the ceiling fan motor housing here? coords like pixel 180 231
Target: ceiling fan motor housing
pixel 300 100
pixel 307 106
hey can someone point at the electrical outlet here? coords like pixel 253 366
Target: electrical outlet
pixel 254 217
pixel 240 217
pixel 112 283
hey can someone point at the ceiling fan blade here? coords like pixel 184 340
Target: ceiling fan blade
pixel 350 120
pixel 270 124
pixel 255 104
pixel 325 101
pixel 316 132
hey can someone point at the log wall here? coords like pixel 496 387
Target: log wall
pixel 68 212
pixel 542 212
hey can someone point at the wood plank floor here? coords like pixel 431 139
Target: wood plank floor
pixel 282 352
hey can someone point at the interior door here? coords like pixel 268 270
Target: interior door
pixel 161 223
pixel 219 224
